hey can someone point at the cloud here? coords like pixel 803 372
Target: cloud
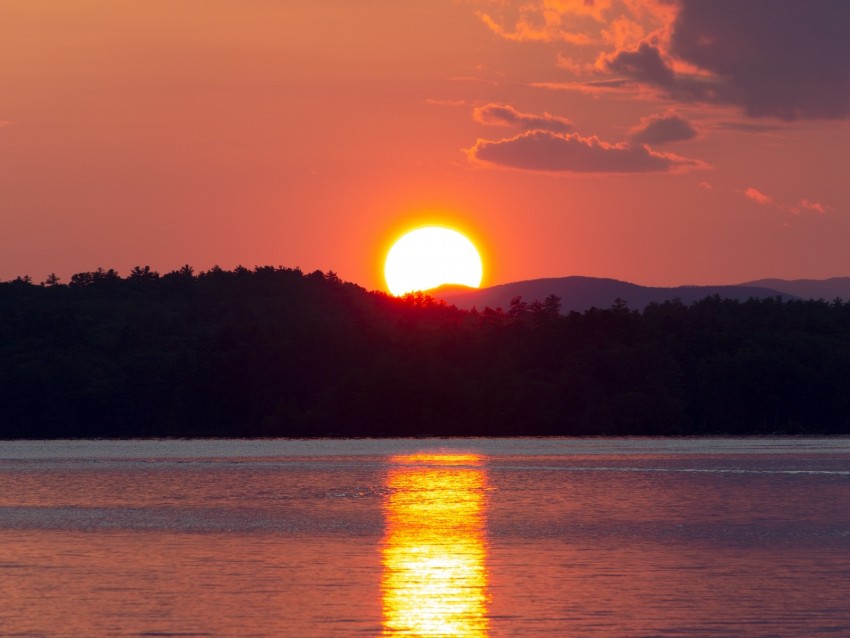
pixel 649 65
pixel 588 88
pixel 606 84
pixel 786 59
pixel 534 27
pixel 643 64
pixel 661 129
pixel 804 205
pixel 505 115
pixel 783 59
pixel 749 127
pixel 576 22
pixel 812 207
pixel 757 196
pixel 555 152
pixel 439 102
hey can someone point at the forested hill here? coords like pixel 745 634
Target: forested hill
pixel 277 352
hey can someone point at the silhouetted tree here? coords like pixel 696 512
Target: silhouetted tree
pixel 276 352
pixel 143 273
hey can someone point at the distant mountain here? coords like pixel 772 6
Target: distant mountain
pixel 827 289
pixel 581 293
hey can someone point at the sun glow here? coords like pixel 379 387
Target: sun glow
pixel 429 257
pixel 434 581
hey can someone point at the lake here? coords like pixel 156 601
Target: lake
pixel 426 537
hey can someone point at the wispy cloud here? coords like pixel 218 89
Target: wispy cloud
pixel 812 207
pixel 798 208
pixel 577 22
pixel 534 27
pixel 438 102
pixel 757 196
pixel 595 87
pixel 505 115
pixel 571 153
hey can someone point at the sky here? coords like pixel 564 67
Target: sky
pixel 654 141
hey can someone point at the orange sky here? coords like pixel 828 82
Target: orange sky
pixel 652 142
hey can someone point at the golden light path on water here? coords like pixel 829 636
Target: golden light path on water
pixel 434 580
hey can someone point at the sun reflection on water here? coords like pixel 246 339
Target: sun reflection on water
pixel 434 574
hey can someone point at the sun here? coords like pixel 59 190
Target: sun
pixel 429 257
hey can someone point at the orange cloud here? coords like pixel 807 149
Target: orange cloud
pixel 571 153
pixel 578 22
pixel 813 207
pixel 574 21
pixel 795 209
pixel 534 27
pixel 757 196
pixel 624 33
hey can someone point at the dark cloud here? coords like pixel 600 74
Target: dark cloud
pixel 553 152
pixel 783 59
pixel 505 115
pixel 644 64
pixel 607 84
pixel 648 65
pixel 589 88
pixel 786 59
pixel 749 127
pixel 661 129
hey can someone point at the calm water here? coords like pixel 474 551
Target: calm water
pixel 472 537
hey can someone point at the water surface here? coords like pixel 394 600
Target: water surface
pixel 469 537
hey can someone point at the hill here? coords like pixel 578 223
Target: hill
pixel 827 289
pixel 581 293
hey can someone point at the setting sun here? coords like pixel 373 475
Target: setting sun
pixel 429 257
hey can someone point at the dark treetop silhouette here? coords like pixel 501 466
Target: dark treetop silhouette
pixel 277 352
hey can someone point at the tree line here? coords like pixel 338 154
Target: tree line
pixel 276 352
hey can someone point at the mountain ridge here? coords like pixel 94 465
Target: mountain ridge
pixel 827 289
pixel 579 293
